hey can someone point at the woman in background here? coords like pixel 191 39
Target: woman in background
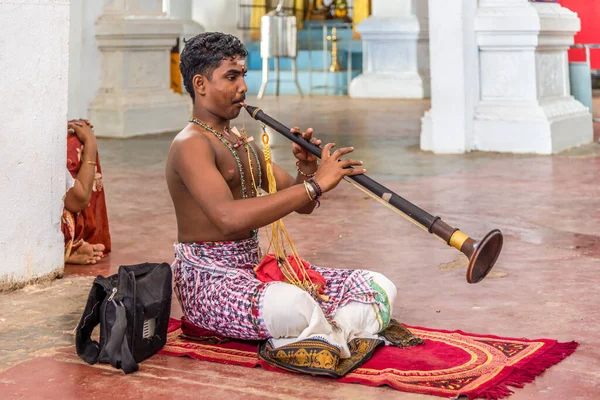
pixel 84 218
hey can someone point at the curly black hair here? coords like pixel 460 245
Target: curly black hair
pixel 203 54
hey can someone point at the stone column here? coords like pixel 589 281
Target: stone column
pixel 218 16
pixel 182 10
pixel 33 111
pixel 525 103
pixel 135 98
pixel 448 126
pixel 500 79
pixel 395 51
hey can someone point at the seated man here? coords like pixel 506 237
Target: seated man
pixel 84 218
pixel 210 172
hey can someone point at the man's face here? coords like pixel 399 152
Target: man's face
pixel 226 89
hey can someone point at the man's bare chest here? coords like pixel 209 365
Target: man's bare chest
pixel 240 163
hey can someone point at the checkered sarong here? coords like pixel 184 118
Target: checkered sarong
pixel 218 290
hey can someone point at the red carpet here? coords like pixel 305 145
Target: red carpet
pixel 451 363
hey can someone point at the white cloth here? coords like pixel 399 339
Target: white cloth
pixel 69 181
pixel 291 315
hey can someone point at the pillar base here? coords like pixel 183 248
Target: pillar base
pixel 124 115
pixel 10 283
pixel 510 91
pixel 442 145
pixel 525 104
pixel 407 85
pixel 546 128
pixel 396 59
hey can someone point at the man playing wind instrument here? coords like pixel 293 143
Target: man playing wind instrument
pixel 221 279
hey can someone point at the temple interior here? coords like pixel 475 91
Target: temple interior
pixel 464 120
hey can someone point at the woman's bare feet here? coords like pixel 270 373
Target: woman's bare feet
pixel 99 248
pixel 87 254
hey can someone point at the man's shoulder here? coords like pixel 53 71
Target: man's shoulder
pixel 189 147
pixel 189 140
pixel 189 135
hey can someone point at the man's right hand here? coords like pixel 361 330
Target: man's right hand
pixel 332 170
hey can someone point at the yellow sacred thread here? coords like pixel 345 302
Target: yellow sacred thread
pixel 279 235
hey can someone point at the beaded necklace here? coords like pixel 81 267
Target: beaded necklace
pixel 243 142
pixel 235 155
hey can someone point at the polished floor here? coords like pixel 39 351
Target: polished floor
pixel 545 283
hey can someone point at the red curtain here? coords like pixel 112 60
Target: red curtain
pixel 589 13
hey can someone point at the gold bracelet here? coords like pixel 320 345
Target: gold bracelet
pixel 91 162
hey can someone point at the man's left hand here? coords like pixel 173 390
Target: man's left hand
pixel 300 153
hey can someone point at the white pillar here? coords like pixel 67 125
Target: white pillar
pixel 218 15
pixel 525 103
pixel 395 51
pixel 448 126
pixel 500 79
pixel 135 97
pixel 33 111
pixel 182 10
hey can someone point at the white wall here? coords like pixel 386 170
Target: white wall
pixel 75 49
pixel 34 60
pixel 84 78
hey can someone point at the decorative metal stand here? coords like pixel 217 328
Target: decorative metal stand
pixel 279 39
pixel 334 66
pixel 335 63
pixel 265 76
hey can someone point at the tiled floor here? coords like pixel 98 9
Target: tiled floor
pixel 544 284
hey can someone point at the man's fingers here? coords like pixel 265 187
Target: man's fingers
pixel 308 134
pixel 350 163
pixel 340 152
pixel 325 154
pixel 354 171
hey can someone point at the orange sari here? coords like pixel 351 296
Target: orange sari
pixel 91 224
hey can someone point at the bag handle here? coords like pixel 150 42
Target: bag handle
pixel 117 347
pixel 88 349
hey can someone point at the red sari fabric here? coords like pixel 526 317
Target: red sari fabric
pixel 91 224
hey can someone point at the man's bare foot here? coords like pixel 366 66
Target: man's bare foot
pixel 86 254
